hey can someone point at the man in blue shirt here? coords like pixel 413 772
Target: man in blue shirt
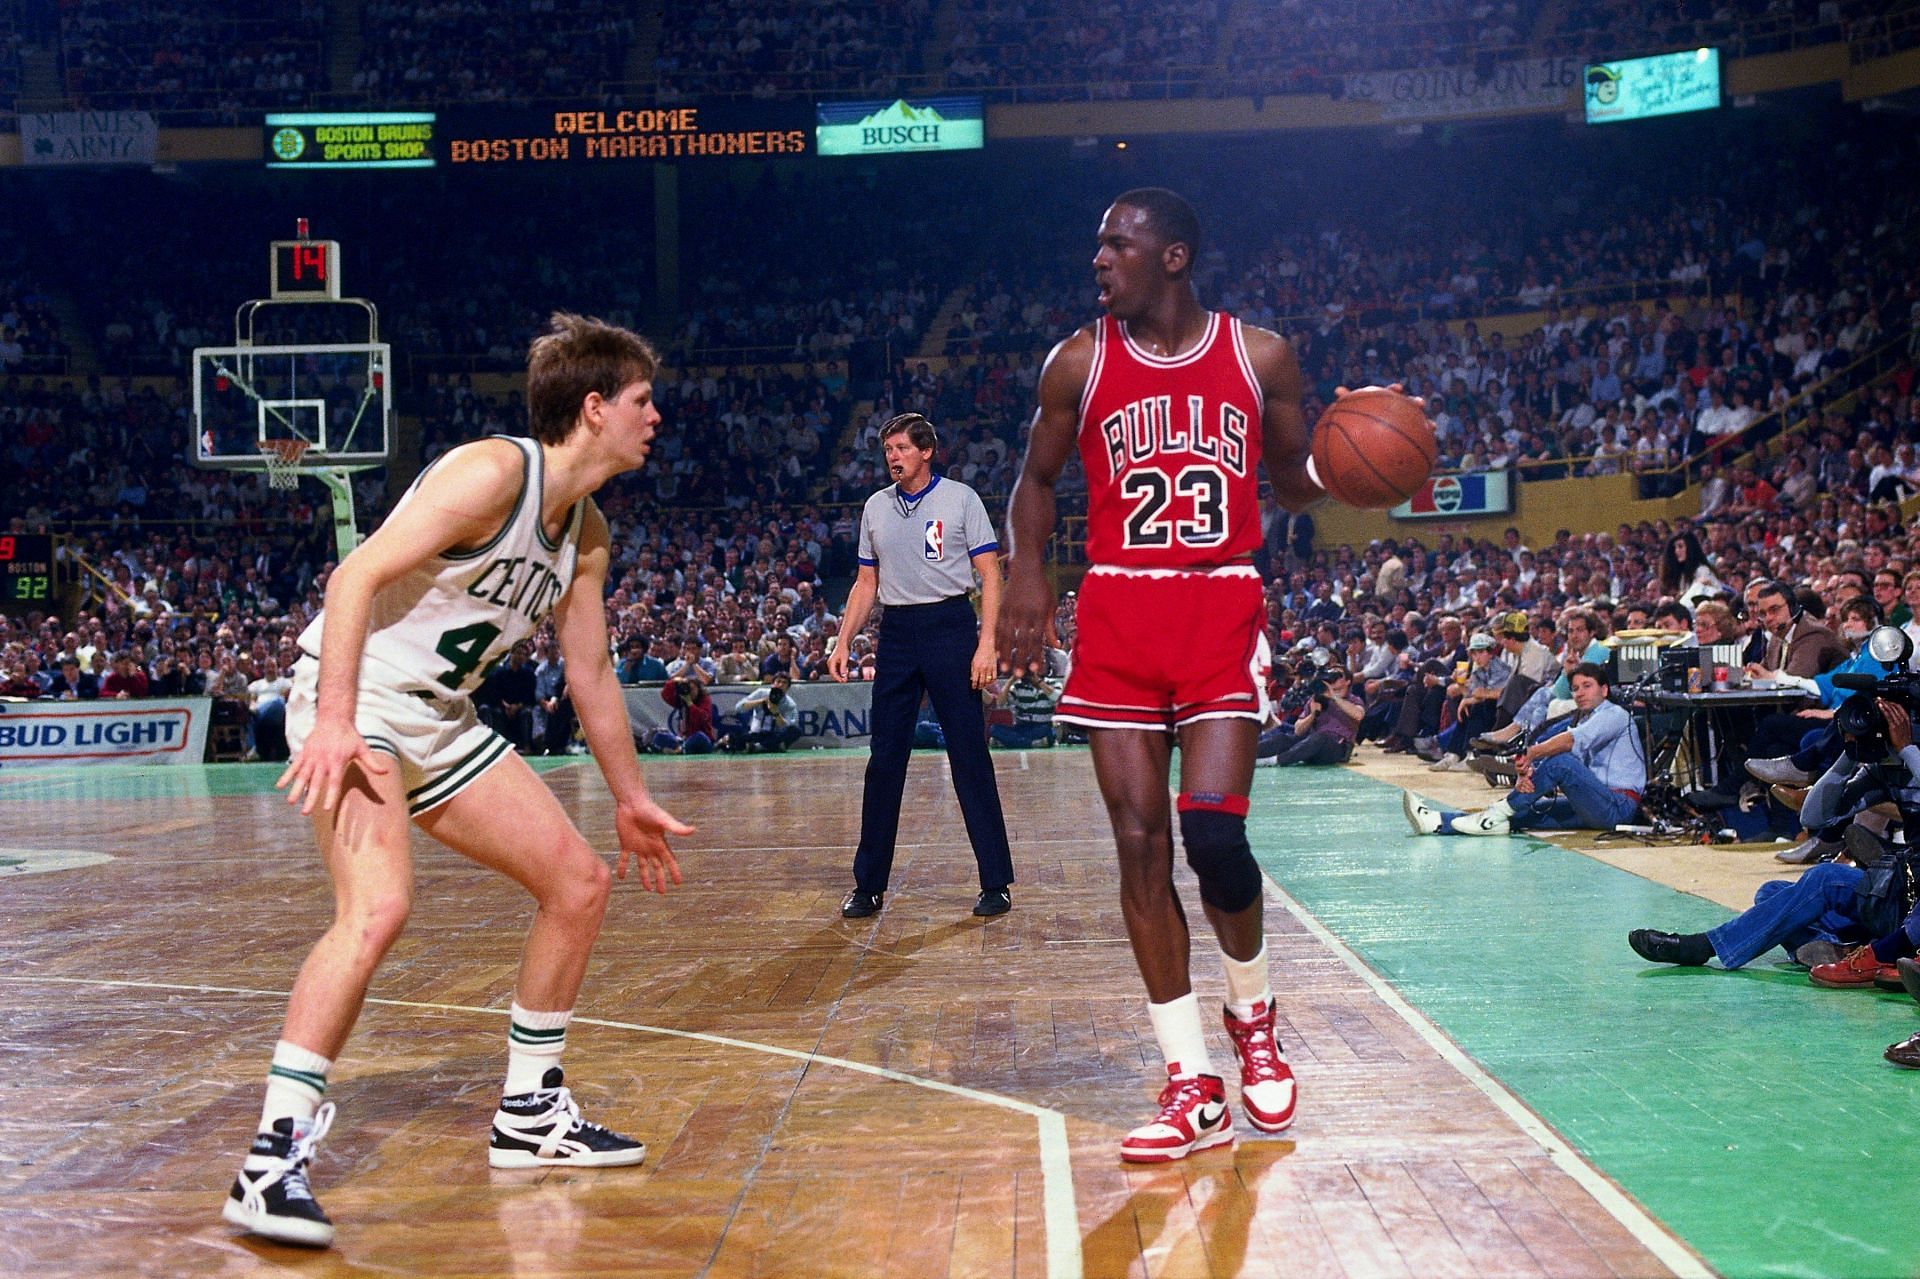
pixel 639 666
pixel 1587 777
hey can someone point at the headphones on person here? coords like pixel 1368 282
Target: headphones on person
pixel 1772 586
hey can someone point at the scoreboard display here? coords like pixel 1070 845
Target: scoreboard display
pixel 26 573
pixel 593 134
pixel 1664 84
pixel 351 140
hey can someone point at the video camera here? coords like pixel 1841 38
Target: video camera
pixel 1859 718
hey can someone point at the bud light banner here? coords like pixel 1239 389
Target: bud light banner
pixel 1458 496
pixel 49 734
pixel 951 122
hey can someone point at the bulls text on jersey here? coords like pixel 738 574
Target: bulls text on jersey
pixel 1142 430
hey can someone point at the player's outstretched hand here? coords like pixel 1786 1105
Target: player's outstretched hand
pixel 1026 623
pixel 318 773
pixel 643 827
pixel 1398 388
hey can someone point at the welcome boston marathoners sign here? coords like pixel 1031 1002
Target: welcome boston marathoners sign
pixel 1454 496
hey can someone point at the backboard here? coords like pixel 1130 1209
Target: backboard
pixel 338 399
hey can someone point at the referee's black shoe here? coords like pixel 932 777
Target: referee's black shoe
pixel 860 905
pixel 993 901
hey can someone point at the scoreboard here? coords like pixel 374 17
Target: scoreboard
pixel 581 133
pixel 26 573
pixel 592 134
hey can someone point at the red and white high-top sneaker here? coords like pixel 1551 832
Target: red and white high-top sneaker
pixel 1266 1081
pixel 1193 1116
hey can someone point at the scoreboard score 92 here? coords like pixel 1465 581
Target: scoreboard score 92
pixel 26 572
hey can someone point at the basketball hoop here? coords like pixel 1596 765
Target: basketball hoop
pixel 283 462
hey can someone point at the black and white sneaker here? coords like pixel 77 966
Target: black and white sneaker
pixel 543 1127
pixel 271 1197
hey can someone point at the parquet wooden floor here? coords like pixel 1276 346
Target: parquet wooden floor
pixel 921 1095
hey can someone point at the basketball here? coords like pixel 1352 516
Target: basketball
pixel 1373 448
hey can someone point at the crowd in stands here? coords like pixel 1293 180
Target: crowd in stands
pixel 222 62
pixel 29 330
pixel 457 51
pixel 1298 47
pixel 1639 361
pixel 804 302
pixel 1741 27
pixel 225 61
pixel 13 38
pixel 740 46
pixel 1078 49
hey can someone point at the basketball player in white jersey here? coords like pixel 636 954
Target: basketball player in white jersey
pixel 491 538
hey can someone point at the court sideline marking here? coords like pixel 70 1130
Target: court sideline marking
pixel 1657 1239
pixel 1056 1165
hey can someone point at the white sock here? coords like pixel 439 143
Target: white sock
pixel 296 1082
pixel 534 1044
pixel 1246 982
pixel 1183 1042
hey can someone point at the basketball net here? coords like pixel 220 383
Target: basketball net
pixel 283 462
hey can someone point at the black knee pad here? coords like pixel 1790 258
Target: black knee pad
pixel 1221 858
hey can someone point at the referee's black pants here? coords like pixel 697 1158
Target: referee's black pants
pixel 929 647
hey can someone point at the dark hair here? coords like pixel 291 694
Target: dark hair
pixel 1170 216
pixel 918 430
pixel 575 357
pixel 1864 607
pixel 1593 671
pixel 1674 609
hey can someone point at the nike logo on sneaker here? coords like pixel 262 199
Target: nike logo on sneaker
pixel 1212 1115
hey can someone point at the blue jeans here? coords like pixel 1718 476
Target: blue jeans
pixel 1819 906
pixel 1020 736
pixel 1581 801
pixel 692 744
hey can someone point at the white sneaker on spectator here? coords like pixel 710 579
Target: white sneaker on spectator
pixel 1448 763
pixel 1779 771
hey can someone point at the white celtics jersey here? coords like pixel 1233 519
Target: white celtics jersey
pixel 440 628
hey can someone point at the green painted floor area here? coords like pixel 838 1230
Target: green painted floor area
pixel 167 781
pixel 1751 1112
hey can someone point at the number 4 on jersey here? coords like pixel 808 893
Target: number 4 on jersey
pixel 464 646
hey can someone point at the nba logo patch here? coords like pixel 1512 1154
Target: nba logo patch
pixel 936 538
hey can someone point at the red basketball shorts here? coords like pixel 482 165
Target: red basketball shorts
pixel 1157 648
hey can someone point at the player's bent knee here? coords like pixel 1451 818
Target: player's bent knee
pixel 581 886
pixel 375 926
pixel 1215 835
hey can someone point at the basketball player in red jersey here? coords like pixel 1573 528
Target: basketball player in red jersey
pixel 1173 407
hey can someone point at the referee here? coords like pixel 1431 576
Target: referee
pixel 921 541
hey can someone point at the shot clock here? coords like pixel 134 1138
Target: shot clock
pixel 305 270
pixel 26 573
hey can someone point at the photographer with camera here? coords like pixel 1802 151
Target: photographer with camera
pixel 1824 917
pixel 1790 750
pixel 1324 733
pixel 690 729
pixel 770 718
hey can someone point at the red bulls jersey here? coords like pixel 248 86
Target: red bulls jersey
pixel 1171 448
